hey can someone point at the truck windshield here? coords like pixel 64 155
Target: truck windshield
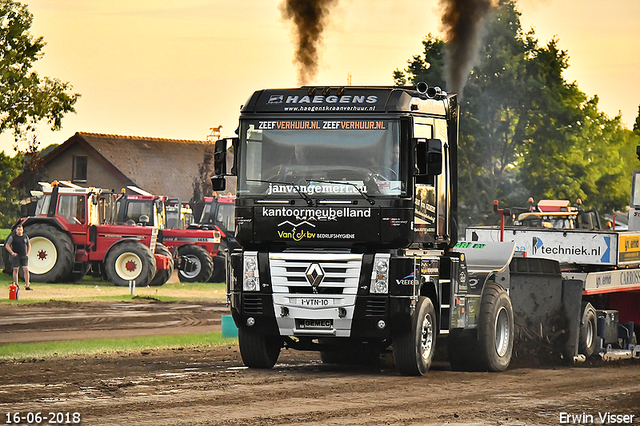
pixel 319 156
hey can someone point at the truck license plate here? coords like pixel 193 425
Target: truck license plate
pixel 315 323
pixel 314 302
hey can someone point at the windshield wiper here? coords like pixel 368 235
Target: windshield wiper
pixel 337 182
pixel 294 186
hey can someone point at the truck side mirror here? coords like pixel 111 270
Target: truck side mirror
pixel 218 181
pixel 220 157
pixel 429 157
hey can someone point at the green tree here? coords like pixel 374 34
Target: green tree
pixel 636 125
pixel 523 129
pixel 26 98
pixel 429 68
pixel 9 208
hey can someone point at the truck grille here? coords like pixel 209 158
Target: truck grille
pixel 289 272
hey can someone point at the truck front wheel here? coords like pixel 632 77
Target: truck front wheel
pixel 413 349
pixel 258 350
pixel 203 264
pixel 495 328
pixel 130 261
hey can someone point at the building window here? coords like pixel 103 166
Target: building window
pixel 79 169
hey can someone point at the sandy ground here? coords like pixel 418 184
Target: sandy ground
pixel 210 386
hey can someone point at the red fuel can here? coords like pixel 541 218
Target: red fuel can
pixel 14 290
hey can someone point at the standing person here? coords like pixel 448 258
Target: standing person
pixel 19 247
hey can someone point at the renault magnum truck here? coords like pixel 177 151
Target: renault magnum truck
pixel 346 212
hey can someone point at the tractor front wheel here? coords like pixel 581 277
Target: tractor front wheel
pixel 130 261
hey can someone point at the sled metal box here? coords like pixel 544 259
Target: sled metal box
pixel 608 326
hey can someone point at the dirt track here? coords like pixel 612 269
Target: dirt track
pixel 210 386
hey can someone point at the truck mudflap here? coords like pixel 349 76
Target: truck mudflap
pixel 547 311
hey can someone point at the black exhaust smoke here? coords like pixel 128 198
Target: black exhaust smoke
pixel 462 21
pixel 310 17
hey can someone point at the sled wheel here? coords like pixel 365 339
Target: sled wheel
pixel 130 261
pixel 588 331
pixel 413 349
pixel 495 328
pixel 257 350
pixel 162 275
pixel 204 264
pixel 52 253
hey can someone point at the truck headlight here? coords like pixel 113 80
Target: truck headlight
pixel 251 276
pixel 380 274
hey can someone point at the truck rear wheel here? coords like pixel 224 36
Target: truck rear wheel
pixel 204 264
pixel 130 261
pixel 588 331
pixel 413 349
pixel 257 350
pixel 162 275
pixel 495 328
pixel 52 253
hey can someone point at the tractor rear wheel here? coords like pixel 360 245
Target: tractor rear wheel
pixel 203 262
pixel 219 274
pixel 52 253
pixel 130 261
pixel 162 275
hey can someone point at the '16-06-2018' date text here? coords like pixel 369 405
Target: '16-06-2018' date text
pixel 51 418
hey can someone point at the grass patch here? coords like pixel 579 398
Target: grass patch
pixel 17 351
pixel 4 233
pixel 91 289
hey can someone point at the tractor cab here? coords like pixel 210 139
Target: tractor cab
pixel 141 208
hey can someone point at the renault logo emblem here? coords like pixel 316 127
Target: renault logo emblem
pixel 314 275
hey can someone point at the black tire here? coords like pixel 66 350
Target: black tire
pixel 204 265
pixel 495 329
pixel 162 275
pixel 413 349
pixel 52 253
pixel 130 261
pixel 257 350
pixel 219 274
pixel 588 331
pixel 77 275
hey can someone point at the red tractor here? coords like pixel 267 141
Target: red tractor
pixel 219 214
pixel 72 230
pixel 199 246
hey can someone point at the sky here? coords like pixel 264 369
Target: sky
pixel 177 68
